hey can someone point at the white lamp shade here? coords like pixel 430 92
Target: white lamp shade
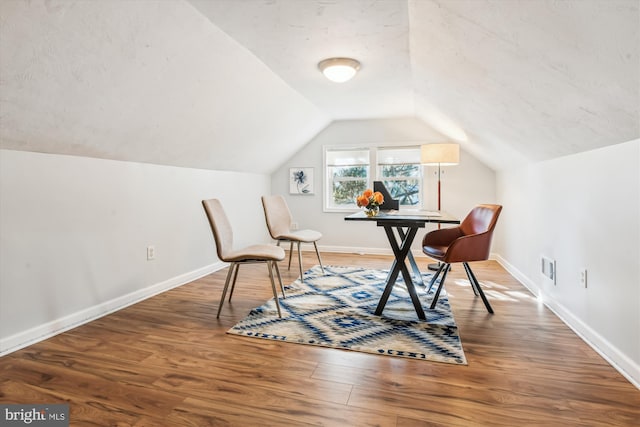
pixel 440 154
pixel 339 70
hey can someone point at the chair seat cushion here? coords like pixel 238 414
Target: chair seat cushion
pixel 436 252
pixel 306 236
pixel 256 252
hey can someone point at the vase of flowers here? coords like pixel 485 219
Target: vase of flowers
pixel 370 201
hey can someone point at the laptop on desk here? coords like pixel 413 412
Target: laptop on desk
pixel 391 206
pixel 389 202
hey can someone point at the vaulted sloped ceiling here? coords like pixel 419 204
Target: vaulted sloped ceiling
pixel 530 79
pixel 227 84
pixel 145 81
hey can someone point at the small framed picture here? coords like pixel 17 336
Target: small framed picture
pixel 301 180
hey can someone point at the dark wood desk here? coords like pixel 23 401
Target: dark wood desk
pixel 406 224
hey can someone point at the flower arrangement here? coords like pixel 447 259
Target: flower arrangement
pixel 371 201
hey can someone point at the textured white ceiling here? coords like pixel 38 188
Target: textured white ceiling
pixel 145 81
pixel 228 84
pixel 292 36
pixel 511 80
pixel 536 79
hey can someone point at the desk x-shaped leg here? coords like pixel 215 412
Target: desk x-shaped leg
pixel 402 250
pixel 412 261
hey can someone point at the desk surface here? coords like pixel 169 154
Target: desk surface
pixel 418 217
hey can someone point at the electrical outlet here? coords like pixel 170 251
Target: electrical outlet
pixel 151 253
pixel 583 278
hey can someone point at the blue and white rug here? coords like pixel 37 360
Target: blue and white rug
pixel 336 309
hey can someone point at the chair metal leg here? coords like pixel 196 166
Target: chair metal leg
pixel 470 275
pixel 434 301
pixel 279 279
pixel 318 254
pixel 233 282
pixel 300 263
pixel 484 298
pixel 224 290
pixel 273 286
pixel 435 277
pixel 290 254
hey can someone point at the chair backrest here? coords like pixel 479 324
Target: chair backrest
pixel 220 226
pixel 277 215
pixel 481 219
pixel 477 233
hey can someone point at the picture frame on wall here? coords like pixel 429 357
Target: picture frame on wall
pixel 301 181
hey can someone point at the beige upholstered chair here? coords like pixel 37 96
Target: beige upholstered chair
pixel 279 221
pixel 223 236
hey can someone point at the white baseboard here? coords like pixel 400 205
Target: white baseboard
pixel 620 361
pixel 355 250
pixel 522 278
pixel 42 332
pixel 417 253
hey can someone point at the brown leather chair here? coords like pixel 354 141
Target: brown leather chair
pixel 279 219
pixel 470 241
pixel 223 236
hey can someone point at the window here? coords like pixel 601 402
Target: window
pixel 348 172
pixel 399 170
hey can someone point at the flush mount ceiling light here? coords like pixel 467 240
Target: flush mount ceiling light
pixel 339 70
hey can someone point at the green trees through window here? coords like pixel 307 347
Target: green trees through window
pixel 348 183
pixel 403 182
pixel 349 173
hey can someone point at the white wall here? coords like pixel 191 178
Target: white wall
pixel 74 233
pixel 463 186
pixel 583 211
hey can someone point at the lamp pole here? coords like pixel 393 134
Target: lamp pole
pixel 436 266
pixel 439 205
pixel 440 154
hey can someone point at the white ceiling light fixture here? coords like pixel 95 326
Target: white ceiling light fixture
pixel 339 70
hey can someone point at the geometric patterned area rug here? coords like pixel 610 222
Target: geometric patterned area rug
pixel 336 309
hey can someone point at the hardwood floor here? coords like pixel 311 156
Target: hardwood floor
pixel 168 362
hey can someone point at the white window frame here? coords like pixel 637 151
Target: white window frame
pixel 328 178
pixel 399 160
pixel 374 174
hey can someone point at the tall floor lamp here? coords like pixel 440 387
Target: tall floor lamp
pixel 440 155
